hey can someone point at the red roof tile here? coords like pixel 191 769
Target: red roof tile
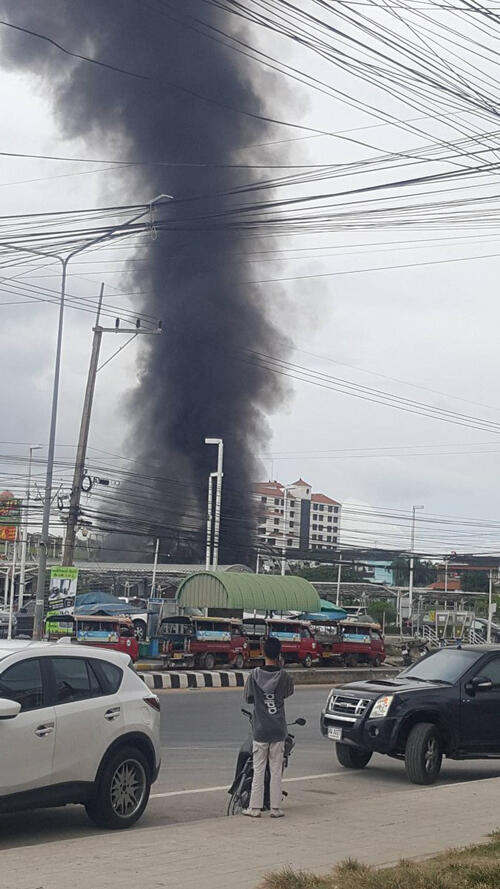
pixel 322 498
pixel 300 483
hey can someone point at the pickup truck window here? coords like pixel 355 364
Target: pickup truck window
pixel 447 665
pixel 492 671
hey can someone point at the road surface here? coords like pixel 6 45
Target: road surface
pixel 201 733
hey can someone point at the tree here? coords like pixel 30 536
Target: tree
pixel 329 574
pixel 378 607
pixel 475 581
pixel 424 572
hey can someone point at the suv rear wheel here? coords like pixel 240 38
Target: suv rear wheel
pixel 423 753
pixel 122 790
pixel 352 757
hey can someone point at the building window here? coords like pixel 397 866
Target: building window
pixel 335 519
pixel 314 537
pixel 276 521
pixel 330 509
pixel 329 538
pixel 292 524
pixel 292 515
pixel 321 507
pixel 289 543
pixel 320 537
pixel 271 540
pixel 263 499
pixel 320 527
pixel 336 509
pixel 276 501
pixel 292 502
pixel 315 527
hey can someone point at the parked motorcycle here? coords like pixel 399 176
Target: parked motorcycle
pixel 242 785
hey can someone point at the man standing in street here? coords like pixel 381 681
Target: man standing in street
pixel 266 688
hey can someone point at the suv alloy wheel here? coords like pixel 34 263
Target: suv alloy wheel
pixel 122 791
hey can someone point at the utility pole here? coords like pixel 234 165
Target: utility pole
pixel 490 606
pixel 412 550
pixel 283 550
pixel 12 588
pixel 155 566
pixel 81 453
pixel 208 558
pixel 218 496
pixel 24 538
pixel 339 576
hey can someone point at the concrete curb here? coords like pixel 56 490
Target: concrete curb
pixel 216 679
pixel 174 679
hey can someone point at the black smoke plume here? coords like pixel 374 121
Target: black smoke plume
pixel 192 382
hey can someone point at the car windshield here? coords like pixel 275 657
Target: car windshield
pixel 445 665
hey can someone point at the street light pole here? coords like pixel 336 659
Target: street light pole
pixel 24 539
pixel 412 550
pixel 44 536
pixel 218 496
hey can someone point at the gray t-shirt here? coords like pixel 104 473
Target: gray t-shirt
pixel 267 689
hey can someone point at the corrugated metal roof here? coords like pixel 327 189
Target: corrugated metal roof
pixel 247 592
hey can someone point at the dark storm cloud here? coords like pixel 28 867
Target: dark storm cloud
pixel 192 382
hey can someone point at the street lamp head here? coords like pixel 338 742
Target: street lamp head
pixel 213 441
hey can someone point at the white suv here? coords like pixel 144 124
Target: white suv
pixel 77 725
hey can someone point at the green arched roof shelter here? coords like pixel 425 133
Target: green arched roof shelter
pixel 247 592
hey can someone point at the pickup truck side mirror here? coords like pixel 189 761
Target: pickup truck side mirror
pixel 479 683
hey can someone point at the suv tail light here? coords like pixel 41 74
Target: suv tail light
pixel 153 702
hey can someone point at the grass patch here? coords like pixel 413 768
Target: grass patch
pixel 477 867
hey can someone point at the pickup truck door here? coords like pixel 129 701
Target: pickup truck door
pixel 480 711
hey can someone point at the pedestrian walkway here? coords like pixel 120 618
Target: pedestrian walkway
pixel 222 853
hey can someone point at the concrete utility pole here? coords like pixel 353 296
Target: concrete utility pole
pixel 12 588
pixel 490 606
pixel 81 453
pixel 218 496
pixel 283 549
pixel 208 557
pixel 24 537
pixel 339 576
pixel 412 550
pixel 155 567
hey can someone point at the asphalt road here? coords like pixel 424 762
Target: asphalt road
pixel 201 733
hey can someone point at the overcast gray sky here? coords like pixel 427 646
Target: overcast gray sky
pixel 406 331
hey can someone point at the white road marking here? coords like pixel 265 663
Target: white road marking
pixel 226 786
pixel 314 778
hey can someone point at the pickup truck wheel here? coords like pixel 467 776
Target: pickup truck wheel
pixel 239 662
pixel 307 662
pixel 352 757
pixel 423 754
pixel 122 792
pixel 376 661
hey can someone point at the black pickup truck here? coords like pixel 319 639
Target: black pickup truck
pixel 446 704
